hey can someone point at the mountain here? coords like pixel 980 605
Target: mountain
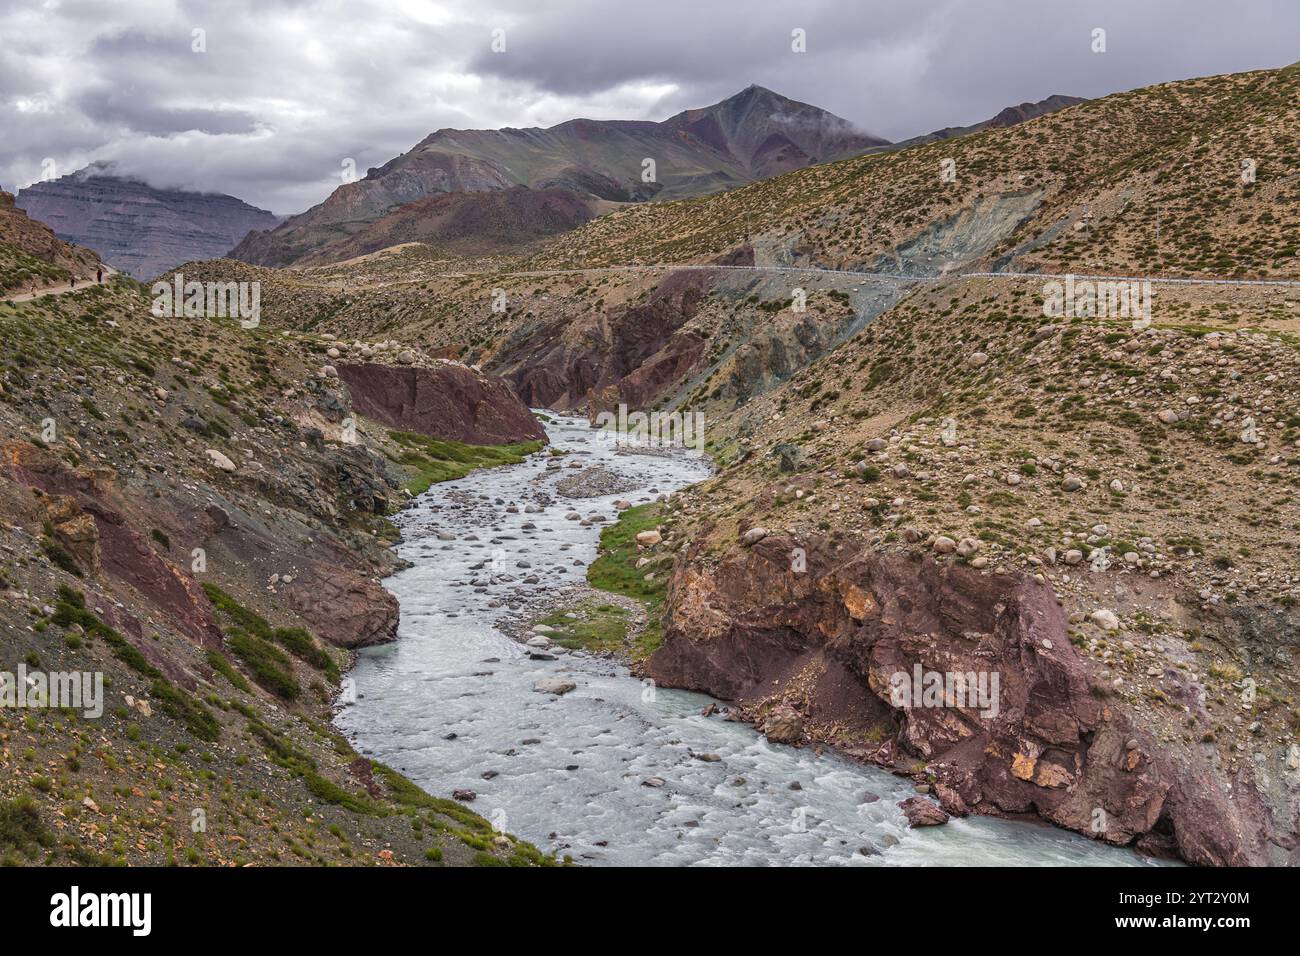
pixel 469 224
pixel 1007 117
pixel 139 229
pixel 749 136
pixel 770 134
pixel 31 255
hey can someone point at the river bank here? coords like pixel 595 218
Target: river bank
pixel 615 771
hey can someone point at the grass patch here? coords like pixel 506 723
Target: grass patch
pixel 178 705
pixel 21 828
pixel 615 570
pixel 227 670
pixel 431 460
pixel 598 627
pixel 268 664
pixel 252 638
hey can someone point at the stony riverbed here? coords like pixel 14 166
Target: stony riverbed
pixel 613 771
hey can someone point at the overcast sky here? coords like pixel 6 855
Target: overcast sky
pixel 288 89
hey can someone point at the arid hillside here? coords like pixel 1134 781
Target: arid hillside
pixel 1103 515
pixel 32 257
pixel 1183 180
pixel 194 512
pixel 1187 178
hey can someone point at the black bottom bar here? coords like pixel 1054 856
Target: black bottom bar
pixel 333 906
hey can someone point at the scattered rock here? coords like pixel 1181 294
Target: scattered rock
pixel 1105 619
pixel 921 812
pixel 554 685
pixel 220 460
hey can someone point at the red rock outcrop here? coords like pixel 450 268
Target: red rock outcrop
pixel 101 539
pixel 627 354
pixel 343 607
pixel 447 401
pixel 1057 744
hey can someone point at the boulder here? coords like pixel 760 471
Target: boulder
pixel 921 812
pixel 220 460
pixel 554 685
pixel 784 726
pixel 343 606
pixel 1105 619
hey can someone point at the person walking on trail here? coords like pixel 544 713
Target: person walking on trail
pixel 99 275
pixel 72 282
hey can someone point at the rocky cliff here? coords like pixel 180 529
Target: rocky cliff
pixel 446 400
pixel 812 650
pixel 136 228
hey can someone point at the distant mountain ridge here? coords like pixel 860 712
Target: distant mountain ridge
pixel 137 228
pixel 1009 116
pixel 750 136
pixel 477 223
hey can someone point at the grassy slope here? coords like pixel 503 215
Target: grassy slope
pixel 615 570
pixel 250 743
pixel 432 460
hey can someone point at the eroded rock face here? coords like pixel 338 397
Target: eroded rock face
pixel 94 529
pixel 344 607
pixel 447 401
pixel 850 644
pixel 627 354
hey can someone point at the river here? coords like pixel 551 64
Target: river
pixel 451 704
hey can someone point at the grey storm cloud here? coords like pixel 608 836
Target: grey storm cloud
pixel 286 90
pixel 139 114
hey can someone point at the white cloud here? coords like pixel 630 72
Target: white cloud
pixel 288 88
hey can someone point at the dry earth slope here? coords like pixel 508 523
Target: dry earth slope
pixel 190 513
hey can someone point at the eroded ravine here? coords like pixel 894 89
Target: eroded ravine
pixel 451 703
